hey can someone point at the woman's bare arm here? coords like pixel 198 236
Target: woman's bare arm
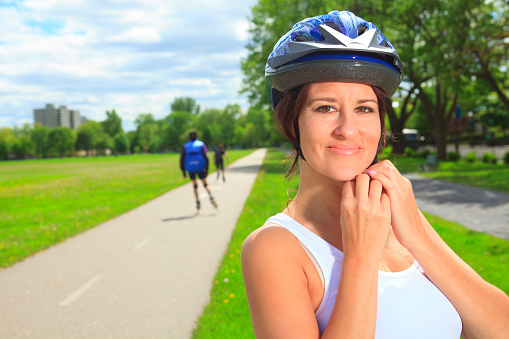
pixel 484 309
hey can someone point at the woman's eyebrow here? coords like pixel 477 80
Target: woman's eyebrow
pixel 362 101
pixel 326 99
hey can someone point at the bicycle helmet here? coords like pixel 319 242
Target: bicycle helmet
pixel 338 46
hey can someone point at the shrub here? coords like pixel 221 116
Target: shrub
pixel 470 157
pixel 506 158
pixel 387 152
pixel 409 152
pixel 423 154
pixel 489 158
pixel 453 156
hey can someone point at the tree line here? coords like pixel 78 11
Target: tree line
pixel 229 126
pixel 454 54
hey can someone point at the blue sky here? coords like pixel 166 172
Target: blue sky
pixel 134 56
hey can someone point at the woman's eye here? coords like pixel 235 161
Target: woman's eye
pixel 364 109
pixel 325 109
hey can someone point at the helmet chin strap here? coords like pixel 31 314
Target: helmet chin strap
pixel 297 137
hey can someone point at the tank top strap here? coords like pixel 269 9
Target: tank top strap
pixel 327 257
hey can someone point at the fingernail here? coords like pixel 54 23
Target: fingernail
pixel 371 171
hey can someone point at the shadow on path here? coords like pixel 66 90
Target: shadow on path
pixel 441 192
pixel 476 208
pixel 245 169
pixel 190 216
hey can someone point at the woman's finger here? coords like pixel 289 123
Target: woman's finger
pixel 385 202
pixel 386 182
pixel 362 186
pixel 348 189
pixel 375 190
pixel 386 168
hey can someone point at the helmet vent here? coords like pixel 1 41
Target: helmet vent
pixel 302 38
pixel 333 26
pixel 361 29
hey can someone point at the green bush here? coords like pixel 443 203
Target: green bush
pixel 409 152
pixel 423 154
pixel 453 156
pixel 386 152
pixel 471 157
pixel 489 158
pixel 506 158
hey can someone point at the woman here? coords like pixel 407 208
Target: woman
pixel 352 256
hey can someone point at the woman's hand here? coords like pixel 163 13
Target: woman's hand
pixel 365 216
pixel 405 217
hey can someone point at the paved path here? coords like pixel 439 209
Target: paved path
pixel 475 208
pixel 145 274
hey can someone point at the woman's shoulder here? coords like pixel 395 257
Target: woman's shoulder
pixel 268 234
pixel 270 240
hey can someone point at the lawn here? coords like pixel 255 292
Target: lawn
pixel 479 174
pixel 43 202
pixel 488 176
pixel 227 314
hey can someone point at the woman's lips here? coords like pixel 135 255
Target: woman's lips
pixel 345 150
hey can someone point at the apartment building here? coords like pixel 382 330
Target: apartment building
pixel 53 117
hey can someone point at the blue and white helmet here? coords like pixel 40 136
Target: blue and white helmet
pixel 338 46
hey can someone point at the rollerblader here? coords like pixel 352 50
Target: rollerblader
pixel 194 160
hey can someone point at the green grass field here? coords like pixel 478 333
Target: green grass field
pixel 43 202
pixel 488 176
pixel 227 314
pixel 479 174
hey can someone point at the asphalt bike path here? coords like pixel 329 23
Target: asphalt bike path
pixel 476 208
pixel 145 274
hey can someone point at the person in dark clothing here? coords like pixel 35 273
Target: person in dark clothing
pixel 218 156
pixel 194 160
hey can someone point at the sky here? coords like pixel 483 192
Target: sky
pixel 134 56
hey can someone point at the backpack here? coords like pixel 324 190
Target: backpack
pixel 195 162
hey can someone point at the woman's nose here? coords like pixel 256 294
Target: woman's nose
pixel 346 127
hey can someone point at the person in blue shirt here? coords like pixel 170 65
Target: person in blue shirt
pixel 194 160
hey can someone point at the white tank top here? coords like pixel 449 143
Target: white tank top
pixel 409 305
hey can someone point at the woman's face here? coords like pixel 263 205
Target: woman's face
pixel 339 127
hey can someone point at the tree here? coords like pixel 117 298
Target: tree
pixel 133 141
pixel 227 122
pixel 207 123
pixel 7 138
pixel 121 142
pixel 486 56
pixel 256 127
pixel 147 130
pixel 23 145
pixel 104 142
pixel 185 104
pixel 496 116
pixel 176 123
pixel 113 123
pixel 87 136
pixel 429 44
pixel 61 141
pixel 39 135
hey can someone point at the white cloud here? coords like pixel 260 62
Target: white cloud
pixel 130 55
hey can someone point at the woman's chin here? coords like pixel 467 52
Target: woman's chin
pixel 347 175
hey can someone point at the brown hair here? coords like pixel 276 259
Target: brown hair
pixel 286 117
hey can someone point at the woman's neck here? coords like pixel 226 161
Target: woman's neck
pixel 317 206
